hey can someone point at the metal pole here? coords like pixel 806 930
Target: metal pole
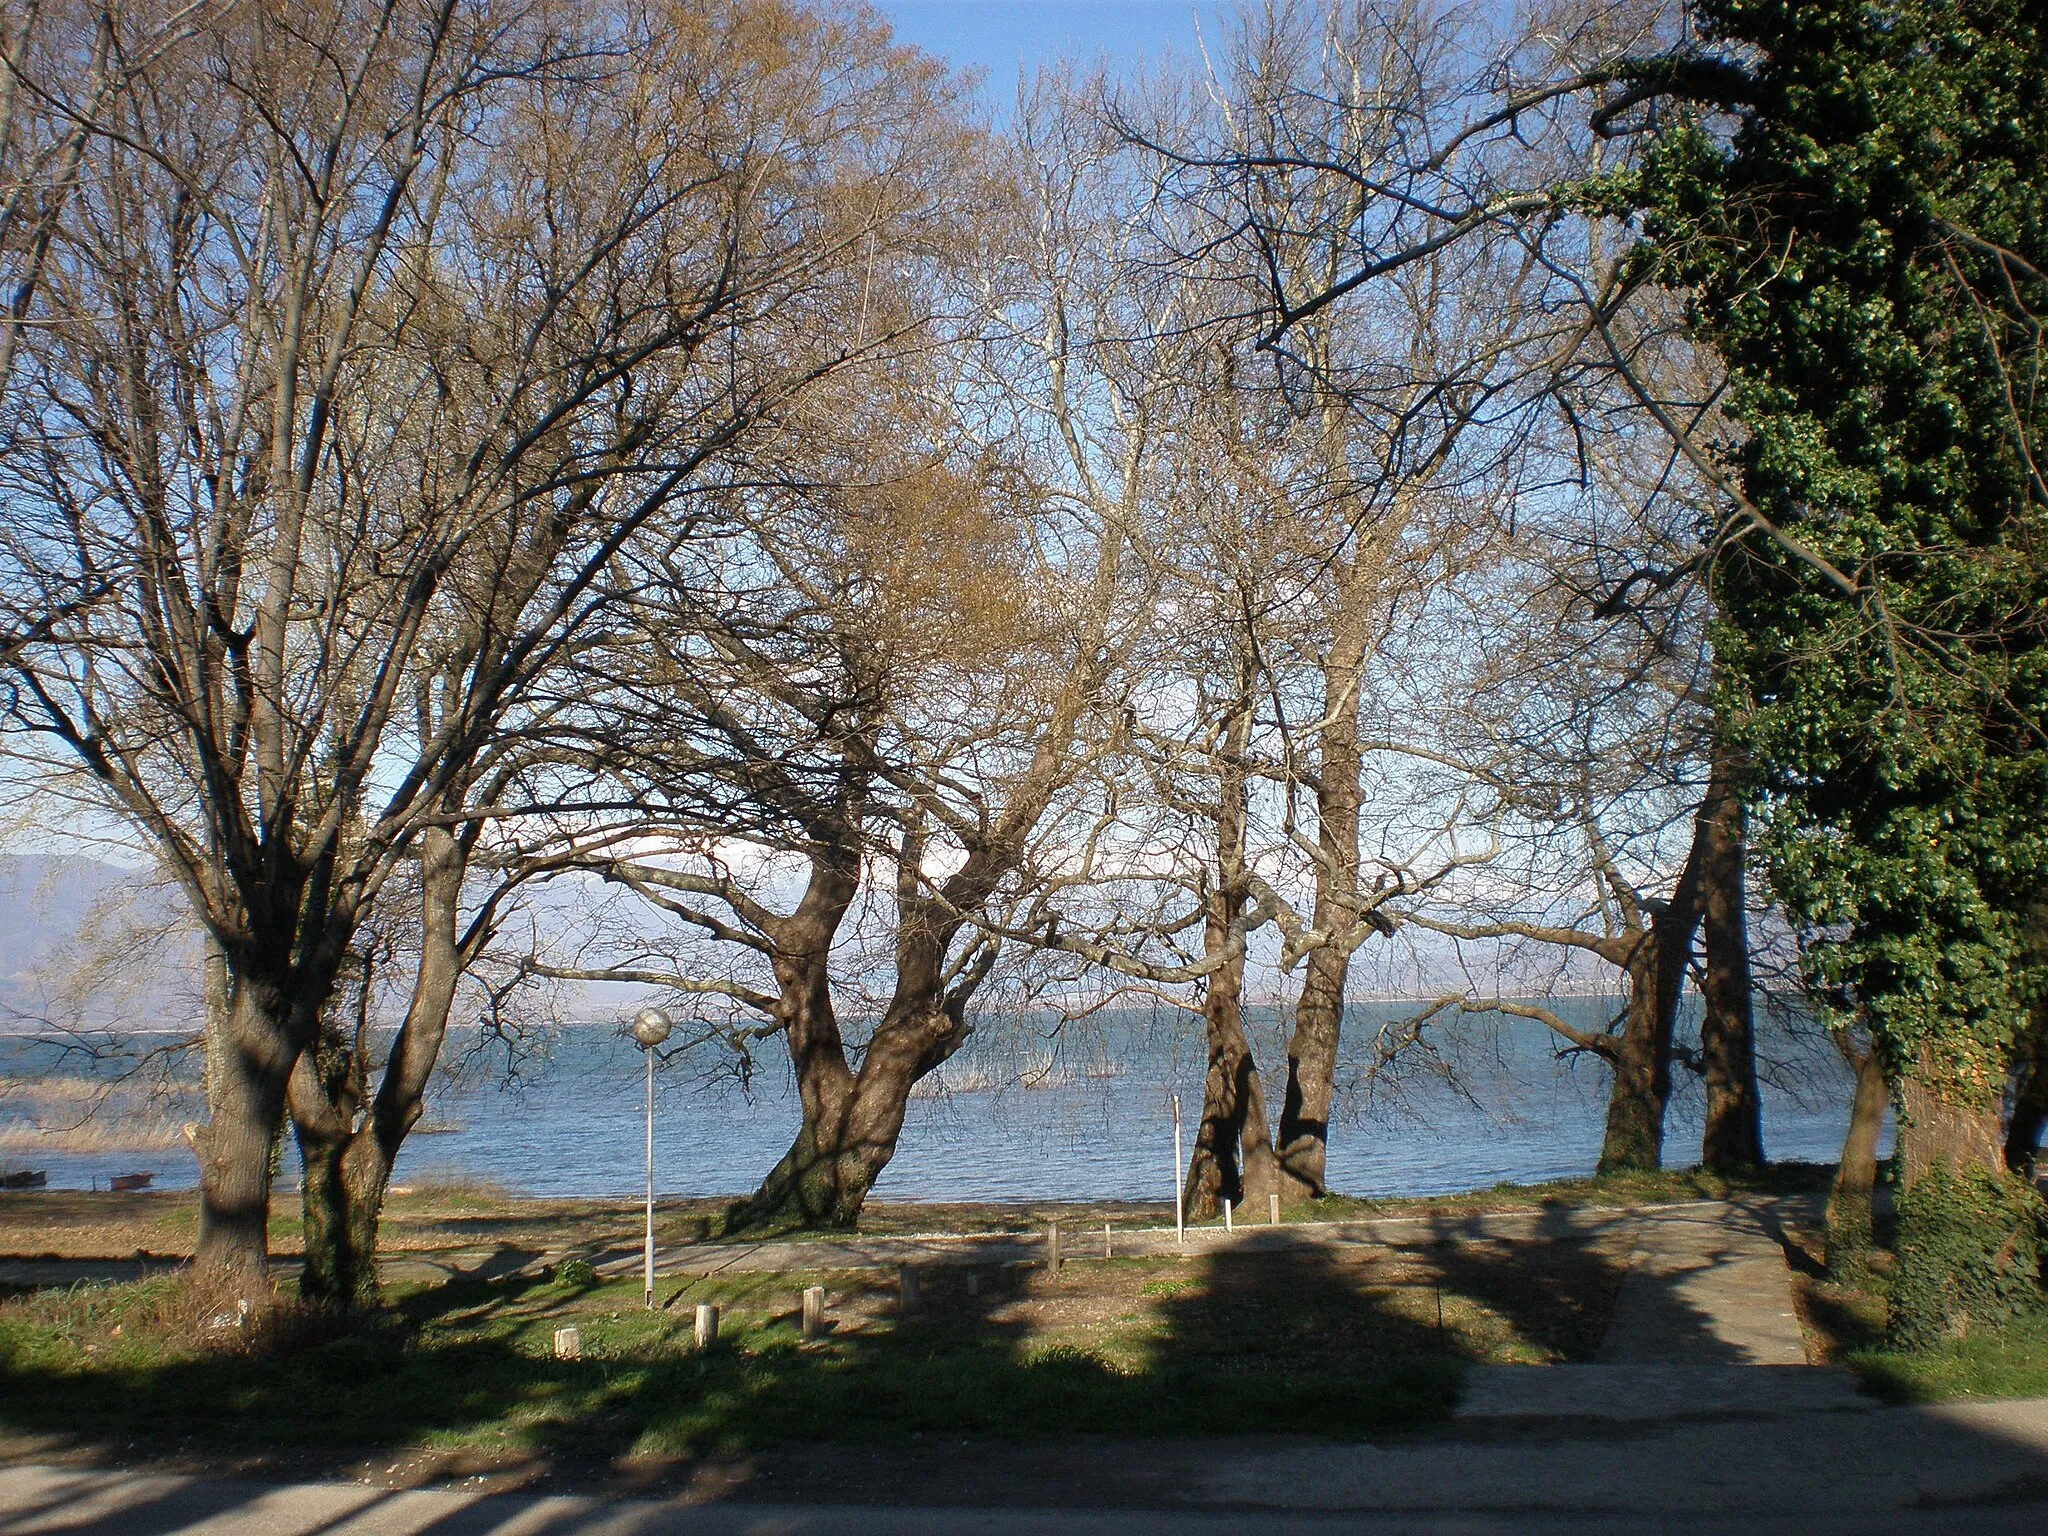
pixel 650 1179
pixel 1180 1216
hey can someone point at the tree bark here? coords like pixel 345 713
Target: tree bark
pixel 347 1156
pixel 815 1184
pixel 1848 1217
pixel 1733 1137
pixel 1944 1126
pixel 1233 1153
pixel 1633 1140
pixel 2029 1099
pixel 248 1064
pixel 1304 1135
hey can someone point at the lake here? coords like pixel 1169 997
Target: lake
pixel 1024 1113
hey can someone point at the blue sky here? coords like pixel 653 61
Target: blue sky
pixel 1009 37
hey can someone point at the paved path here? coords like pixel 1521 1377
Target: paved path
pixel 1961 1468
pixel 1705 1285
pixel 1704 1323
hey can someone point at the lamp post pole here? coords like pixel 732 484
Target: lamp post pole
pixel 650 1027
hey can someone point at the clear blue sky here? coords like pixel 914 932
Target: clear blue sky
pixel 1009 37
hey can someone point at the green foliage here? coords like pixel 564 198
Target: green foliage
pixel 1863 242
pixel 575 1272
pixel 1969 1255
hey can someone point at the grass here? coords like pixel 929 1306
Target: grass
pixel 435 1218
pixel 1990 1362
pixel 1301 1342
pixel 1661 1186
pixel 1845 1325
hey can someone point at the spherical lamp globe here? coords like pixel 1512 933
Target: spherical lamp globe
pixel 650 1027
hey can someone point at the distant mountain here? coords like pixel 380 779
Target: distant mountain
pixel 84 943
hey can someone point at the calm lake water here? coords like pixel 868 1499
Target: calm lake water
pixel 1024 1113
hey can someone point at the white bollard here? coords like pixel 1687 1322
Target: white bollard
pixel 707 1325
pixel 1052 1247
pixel 814 1312
pixel 1180 1215
pixel 568 1343
pixel 1226 1218
pixel 974 1282
pixel 1273 1210
pixel 1105 1239
pixel 906 1289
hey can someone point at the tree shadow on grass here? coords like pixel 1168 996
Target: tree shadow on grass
pixel 1293 1343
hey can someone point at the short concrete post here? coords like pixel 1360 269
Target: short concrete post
pixel 568 1343
pixel 1273 1210
pixel 814 1312
pixel 707 1325
pixel 974 1282
pixel 906 1289
pixel 1105 1239
pixel 1226 1218
pixel 1052 1247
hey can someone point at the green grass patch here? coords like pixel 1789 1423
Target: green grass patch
pixel 1656 1187
pixel 469 1364
pixel 2011 1361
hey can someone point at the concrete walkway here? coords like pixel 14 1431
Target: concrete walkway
pixel 1704 1324
pixel 1976 1468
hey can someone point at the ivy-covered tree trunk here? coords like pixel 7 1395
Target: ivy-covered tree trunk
pixel 1970 1232
pixel 1879 584
pixel 1732 1139
pixel 2029 1099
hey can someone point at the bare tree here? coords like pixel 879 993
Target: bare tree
pixel 366 336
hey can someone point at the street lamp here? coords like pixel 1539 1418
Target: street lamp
pixel 650 1027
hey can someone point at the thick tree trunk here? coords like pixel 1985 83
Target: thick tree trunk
pixel 1948 1128
pixel 1733 1137
pixel 817 1182
pixel 850 1128
pixel 1641 1087
pixel 248 1063
pixel 1968 1253
pixel 1233 1157
pixel 1304 1135
pixel 342 1201
pixel 347 1153
pixel 1233 1153
pixel 1848 1218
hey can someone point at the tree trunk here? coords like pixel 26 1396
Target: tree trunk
pixel 1304 1138
pixel 1733 1138
pixel 2029 1100
pixel 1233 1153
pixel 813 1185
pixel 248 1063
pixel 1968 1252
pixel 1233 1157
pixel 850 1128
pixel 1850 1235
pixel 1641 1088
pixel 1946 1128
pixel 347 1154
